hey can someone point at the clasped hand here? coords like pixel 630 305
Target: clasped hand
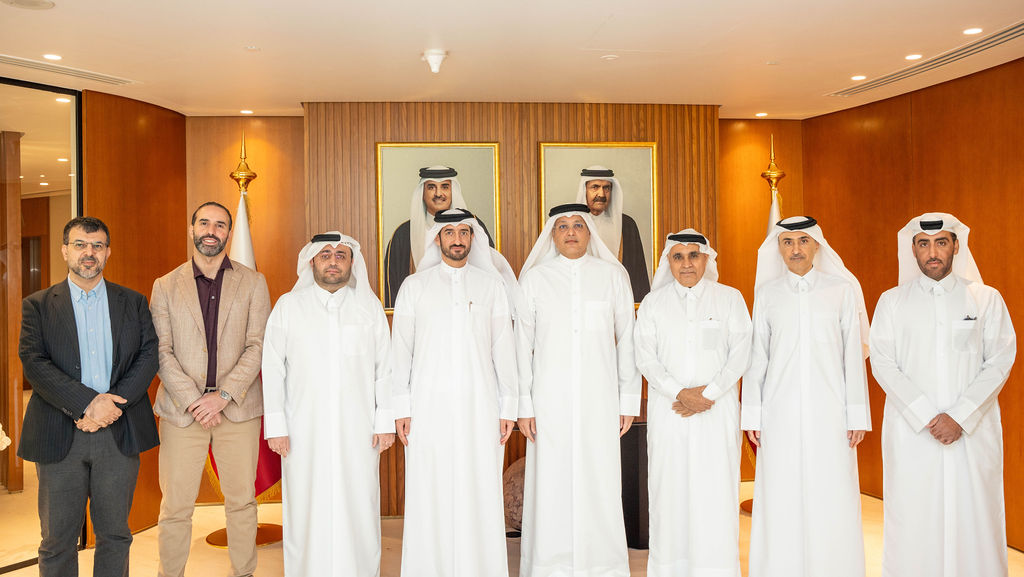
pixel 101 412
pixel 689 402
pixel 945 429
pixel 206 410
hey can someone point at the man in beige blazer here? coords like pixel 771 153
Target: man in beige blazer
pixel 209 314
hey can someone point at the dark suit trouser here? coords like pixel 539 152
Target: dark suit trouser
pixel 96 471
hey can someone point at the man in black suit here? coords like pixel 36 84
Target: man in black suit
pixel 89 350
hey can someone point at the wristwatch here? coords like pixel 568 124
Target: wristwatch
pixel 225 395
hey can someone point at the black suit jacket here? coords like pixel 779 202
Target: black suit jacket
pixel 49 354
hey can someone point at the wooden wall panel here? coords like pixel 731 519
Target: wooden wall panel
pixel 856 185
pixel 953 148
pixel 967 161
pixel 133 156
pixel 341 172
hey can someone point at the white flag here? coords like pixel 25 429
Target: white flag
pixel 241 239
pixel 774 215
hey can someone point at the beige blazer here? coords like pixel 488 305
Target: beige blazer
pixel 242 318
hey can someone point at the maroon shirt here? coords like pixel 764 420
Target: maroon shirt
pixel 209 298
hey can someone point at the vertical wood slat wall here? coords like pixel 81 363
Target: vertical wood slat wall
pixel 340 148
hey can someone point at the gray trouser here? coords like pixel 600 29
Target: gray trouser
pixel 96 471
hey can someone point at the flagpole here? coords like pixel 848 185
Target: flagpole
pixel 773 174
pixel 269 463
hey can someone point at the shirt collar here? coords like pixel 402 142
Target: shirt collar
pixel 794 279
pixel 948 283
pixel 696 290
pixel 224 265
pixel 572 261
pixel 77 293
pixel 324 296
pixel 453 270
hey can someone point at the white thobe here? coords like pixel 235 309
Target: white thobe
pixel 806 387
pixel 692 337
pixel 327 386
pixel 577 374
pixel 943 347
pixel 455 376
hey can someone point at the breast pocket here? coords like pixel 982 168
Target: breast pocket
pixel 710 335
pixel 965 336
pixel 597 315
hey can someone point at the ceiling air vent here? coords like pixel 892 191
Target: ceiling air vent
pixel 65 70
pixel 980 45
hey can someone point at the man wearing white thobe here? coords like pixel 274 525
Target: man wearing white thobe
pixel 326 398
pixel 579 392
pixel 603 195
pixel 455 401
pixel 692 341
pixel 942 347
pixel 805 405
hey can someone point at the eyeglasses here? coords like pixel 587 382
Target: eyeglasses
pixel 576 226
pixel 81 245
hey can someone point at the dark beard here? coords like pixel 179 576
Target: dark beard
pixel 208 250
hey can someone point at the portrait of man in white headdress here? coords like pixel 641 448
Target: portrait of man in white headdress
pixel 617 185
pixel 440 178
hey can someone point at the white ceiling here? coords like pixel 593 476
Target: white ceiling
pixel 190 55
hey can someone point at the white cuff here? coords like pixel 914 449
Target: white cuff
pixel 629 405
pixel 400 406
pixel 383 422
pixel 526 407
pixel 712 392
pixel 963 412
pixel 508 408
pixel 274 425
pixel 919 413
pixel 857 418
pixel 750 417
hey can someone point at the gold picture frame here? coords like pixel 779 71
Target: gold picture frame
pixel 398 163
pixel 636 168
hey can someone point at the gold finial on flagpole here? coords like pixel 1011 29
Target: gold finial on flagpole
pixel 242 174
pixel 773 174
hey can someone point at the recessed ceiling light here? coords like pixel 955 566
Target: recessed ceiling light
pixel 252 48
pixel 52 56
pixel 245 111
pixel 21 177
pixel 972 31
pixel 610 57
pixel 64 100
pixel 913 56
pixel 42 176
pixel 62 160
pixel 71 174
pixel 761 114
pixel 858 77
pixel 44 184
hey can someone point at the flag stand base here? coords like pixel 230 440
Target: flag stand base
pixel 266 534
pixel 746 506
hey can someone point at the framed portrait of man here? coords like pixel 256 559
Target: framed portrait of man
pixel 618 183
pixel 417 179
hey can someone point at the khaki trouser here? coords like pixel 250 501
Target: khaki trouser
pixel 182 459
